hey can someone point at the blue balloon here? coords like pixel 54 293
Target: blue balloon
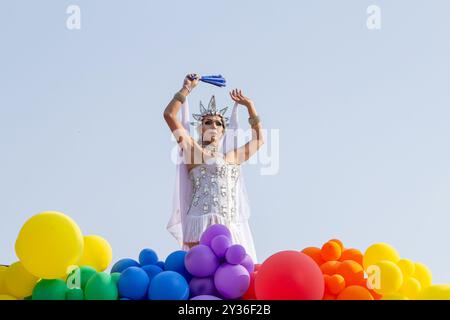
pixel 175 262
pixel 148 256
pixel 152 271
pixel 161 264
pixel 168 285
pixel 123 264
pixel 133 284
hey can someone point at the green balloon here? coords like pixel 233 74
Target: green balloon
pixel 28 298
pixel 101 287
pixel 75 294
pixel 84 272
pixel 54 289
pixel 115 277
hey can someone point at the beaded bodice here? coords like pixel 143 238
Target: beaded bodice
pixel 214 188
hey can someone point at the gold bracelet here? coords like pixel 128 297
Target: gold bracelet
pixel 180 97
pixel 253 120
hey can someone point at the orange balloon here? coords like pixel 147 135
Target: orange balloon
pixel 327 296
pixel 330 267
pixel 331 251
pixel 352 272
pixel 352 254
pixel 355 293
pixel 334 284
pixel 315 254
pixel 339 242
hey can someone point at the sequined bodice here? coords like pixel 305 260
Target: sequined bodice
pixel 214 188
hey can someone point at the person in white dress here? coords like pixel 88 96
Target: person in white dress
pixel 209 185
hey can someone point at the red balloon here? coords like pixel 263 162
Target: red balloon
pixel 250 294
pixel 289 275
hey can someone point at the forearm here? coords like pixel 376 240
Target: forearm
pixel 174 105
pixel 256 128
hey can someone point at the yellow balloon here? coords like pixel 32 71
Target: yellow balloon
pixel 378 252
pixel 411 288
pixel 48 244
pixel 18 281
pixel 407 266
pixel 435 292
pixel 7 297
pixel 394 296
pixel 423 274
pixel 2 280
pixel 390 277
pixel 97 253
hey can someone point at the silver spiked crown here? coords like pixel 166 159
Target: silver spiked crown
pixel 210 111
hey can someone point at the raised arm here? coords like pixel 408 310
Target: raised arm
pixel 243 153
pixel 170 113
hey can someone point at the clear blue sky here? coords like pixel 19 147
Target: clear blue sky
pixel 363 118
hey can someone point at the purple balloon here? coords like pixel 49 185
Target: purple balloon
pixel 202 286
pixel 205 297
pixel 248 264
pixel 235 254
pixel 232 280
pixel 200 261
pixel 219 245
pixel 213 231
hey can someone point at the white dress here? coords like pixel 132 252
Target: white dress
pixel 214 201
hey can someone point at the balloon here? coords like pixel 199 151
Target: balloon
pixel 101 287
pixel 219 245
pixel 331 251
pixel 123 264
pixel 235 254
pixel 84 272
pixel 248 263
pixel 74 294
pixel 205 297
pixel 378 252
pixel 115 277
pixel 352 254
pixel 2 279
pixel 232 280
pixel 175 262
pixel 352 272
pixel 161 265
pixel 407 267
pixel 435 292
pixel 7 297
pixel 133 283
pixel 50 290
pixel 168 285
pixel 18 281
pixel 355 293
pixel 423 274
pixel 315 254
pixel 148 256
pixel 330 267
pixel 289 275
pixel 212 231
pixel 411 288
pixel 390 277
pixel 334 284
pixel 48 244
pixel 152 271
pixel 250 293
pixel 97 253
pixel 201 261
pixel 339 242
pixel 202 286
pixel 328 296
